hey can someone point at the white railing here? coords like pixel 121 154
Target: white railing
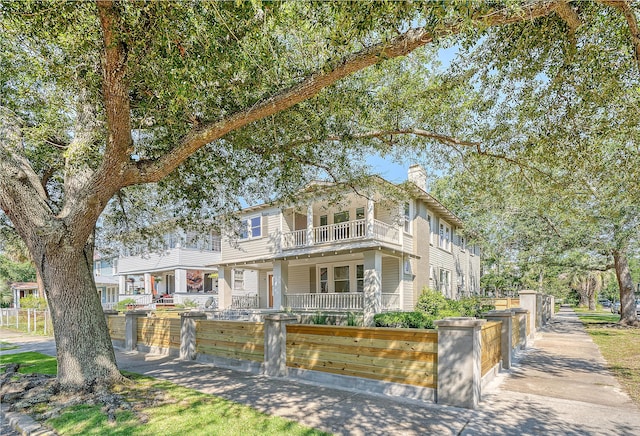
pixel 294 239
pixel 386 232
pixel 347 231
pixel 390 301
pixel 140 299
pixel 345 301
pixel 244 301
pixel 30 320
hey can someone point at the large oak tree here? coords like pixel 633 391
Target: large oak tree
pixel 98 97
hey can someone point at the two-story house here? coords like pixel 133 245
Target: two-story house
pixel 337 249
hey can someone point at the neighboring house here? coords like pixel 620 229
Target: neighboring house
pixel 360 253
pixel 23 289
pixel 105 279
pixel 185 270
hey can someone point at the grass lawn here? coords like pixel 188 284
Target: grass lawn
pixel 619 345
pixel 165 408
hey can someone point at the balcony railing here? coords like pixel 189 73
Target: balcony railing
pixel 347 231
pixel 340 301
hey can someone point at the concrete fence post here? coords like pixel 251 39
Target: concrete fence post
pixel 529 300
pixel 131 328
pixel 188 334
pixel 459 361
pixel 275 343
pixel 506 317
pixel 521 317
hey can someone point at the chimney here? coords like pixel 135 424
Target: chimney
pixel 418 176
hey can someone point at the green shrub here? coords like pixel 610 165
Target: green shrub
pixel 189 303
pixel 352 319
pixel 413 320
pixel 319 318
pixel 33 302
pixel 431 302
pixel 122 305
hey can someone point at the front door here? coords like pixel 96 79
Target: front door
pixel 270 286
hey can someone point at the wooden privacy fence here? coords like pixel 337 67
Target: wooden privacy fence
pixel 503 303
pixel 159 332
pixel 116 327
pixel 231 339
pixel 490 345
pixel 392 355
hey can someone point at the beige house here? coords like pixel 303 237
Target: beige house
pixel 340 250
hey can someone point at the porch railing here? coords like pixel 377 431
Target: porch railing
pixel 140 299
pixel 244 301
pixel 340 301
pixel 347 231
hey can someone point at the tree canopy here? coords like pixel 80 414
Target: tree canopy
pixel 215 100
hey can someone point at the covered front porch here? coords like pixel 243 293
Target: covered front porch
pixel 368 280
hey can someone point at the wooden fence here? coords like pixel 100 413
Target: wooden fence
pixel 392 355
pixel 515 331
pixel 503 303
pixel 231 339
pixel 159 332
pixel 490 345
pixel 116 327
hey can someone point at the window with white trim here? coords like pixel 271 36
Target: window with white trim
pixel 445 236
pixel 341 278
pixel 432 223
pixel 360 278
pixel 238 279
pixel 445 280
pixel 407 217
pixel 251 227
pixel 324 280
pixel 461 242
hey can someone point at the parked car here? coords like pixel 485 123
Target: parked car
pixel 605 303
pixel 615 307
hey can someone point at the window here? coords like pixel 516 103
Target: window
pixel 251 228
pixel 96 268
pixel 238 279
pixel 461 242
pixel 407 266
pixel 324 280
pixel 445 236
pixel 445 281
pixel 407 217
pixel 360 278
pixel 341 232
pixel 341 217
pixel 431 224
pixel 341 278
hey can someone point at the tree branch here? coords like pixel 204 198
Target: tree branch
pixel 154 170
pixel 569 15
pixel 625 7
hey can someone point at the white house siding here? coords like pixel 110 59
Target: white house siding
pixel 265 246
pixel 390 275
pixel 174 258
pixel 299 278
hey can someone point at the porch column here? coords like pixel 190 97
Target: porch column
pixel 369 218
pixel 224 288
pixel 147 283
pixel 280 282
pixel 180 279
pixel 372 285
pixel 122 284
pixel 310 225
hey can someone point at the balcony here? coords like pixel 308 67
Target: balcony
pixel 342 232
pixel 339 301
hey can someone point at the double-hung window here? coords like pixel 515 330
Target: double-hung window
pixel 238 279
pixel 360 278
pixel 407 218
pixel 251 228
pixel 445 236
pixel 341 278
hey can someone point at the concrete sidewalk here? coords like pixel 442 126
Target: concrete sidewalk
pixel 559 386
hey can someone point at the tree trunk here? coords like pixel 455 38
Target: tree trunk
pixel 628 314
pixel 84 348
